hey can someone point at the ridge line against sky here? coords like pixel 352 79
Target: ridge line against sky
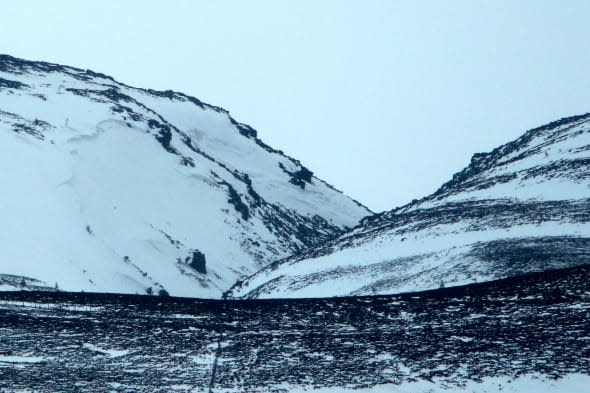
pixel 383 99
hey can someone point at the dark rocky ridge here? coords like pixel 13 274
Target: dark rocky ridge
pixel 481 162
pixel 534 324
pixel 499 212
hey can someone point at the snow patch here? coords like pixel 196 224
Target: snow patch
pixel 113 353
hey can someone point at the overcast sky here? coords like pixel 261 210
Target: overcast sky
pixel 383 99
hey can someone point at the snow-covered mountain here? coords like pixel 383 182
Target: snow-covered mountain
pixel 523 207
pixel 106 187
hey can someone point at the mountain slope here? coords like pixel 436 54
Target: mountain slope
pixel 523 207
pixel 106 187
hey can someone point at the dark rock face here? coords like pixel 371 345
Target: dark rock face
pixel 197 261
pixel 300 177
pixel 532 324
pixel 236 201
pixel 8 84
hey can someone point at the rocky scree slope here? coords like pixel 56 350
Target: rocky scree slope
pixel 504 336
pixel 107 187
pixel 523 207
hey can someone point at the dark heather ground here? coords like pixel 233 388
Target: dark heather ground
pixel 79 342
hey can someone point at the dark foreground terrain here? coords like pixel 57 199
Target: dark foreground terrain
pixel 69 342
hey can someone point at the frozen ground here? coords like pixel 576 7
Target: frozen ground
pixel 574 383
pixel 522 334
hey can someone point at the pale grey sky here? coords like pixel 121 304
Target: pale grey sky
pixel 383 99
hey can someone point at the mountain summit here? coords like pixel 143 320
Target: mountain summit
pixel 111 188
pixel 523 207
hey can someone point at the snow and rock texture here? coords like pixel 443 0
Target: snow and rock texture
pixel 522 334
pixel 107 187
pixel 523 207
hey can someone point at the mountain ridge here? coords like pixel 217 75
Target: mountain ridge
pixel 244 129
